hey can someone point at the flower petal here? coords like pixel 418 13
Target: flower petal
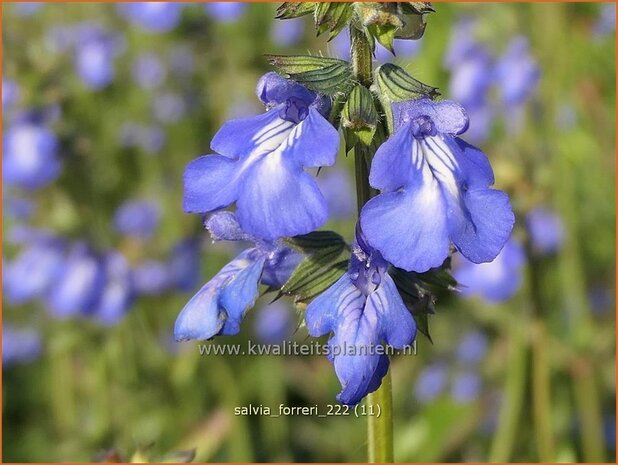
pixel 314 142
pixel 239 295
pixel 202 317
pixel 322 313
pixel 239 138
pixel 391 167
pixel 210 183
pixel 223 226
pixel 481 231
pixel 397 325
pixel 273 89
pixel 278 199
pixel 408 227
pixel 447 116
pixel 473 164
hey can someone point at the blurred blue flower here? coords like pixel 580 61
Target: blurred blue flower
pixel 466 387
pixel 148 71
pixel 10 93
pixel 137 218
pixel 430 383
pixel 117 295
pixel 471 78
pixel 29 155
pixel 472 348
pixel 339 192
pixel 79 284
pixel 220 305
pixel 462 43
pixel 288 32
pixel 517 72
pixel 151 277
pixel 225 12
pixel 150 139
pixel 17 207
pixel 545 229
pixel 95 52
pixel 182 60
pixel 19 345
pixel 425 169
pixel 184 264
pixel 274 323
pixel 27 8
pixel 261 164
pixel 169 107
pixel 606 22
pixel 340 46
pixel 496 281
pixel 362 310
pixel 60 38
pixel 152 16
pixel 34 270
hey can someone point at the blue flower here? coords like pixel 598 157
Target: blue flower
pixel 184 264
pixel 137 218
pixel 517 72
pixel 606 21
pixel 261 164
pixel 545 229
pixel 151 277
pixel 79 284
pixel 29 156
pixel 152 16
pixel 363 310
pixel 435 190
pixel 34 270
pixel 19 345
pixel 118 293
pixel 430 383
pixel 220 305
pixel 225 12
pixel 466 387
pixel 471 78
pixel 169 107
pixel 10 93
pixel 496 281
pixel 288 33
pixel 95 52
pixel 472 348
pixel 274 323
pixel 148 71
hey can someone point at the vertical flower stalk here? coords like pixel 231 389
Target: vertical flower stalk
pixel 379 429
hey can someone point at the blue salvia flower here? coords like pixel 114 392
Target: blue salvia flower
pixel 435 190
pixel 517 72
pixel 118 294
pixel 261 161
pixel 19 345
pixel 225 12
pixel 496 281
pixel 471 78
pixel 362 310
pixel 430 383
pixel 220 305
pixel 462 42
pixel 151 278
pixel 274 323
pixel 466 387
pixel 34 270
pixel 148 71
pixel 288 33
pixel 184 264
pixel 10 93
pixel 96 50
pixel 29 155
pixel 16 207
pixel 79 285
pixel 472 348
pixel 152 16
pixel 138 218
pixel 546 230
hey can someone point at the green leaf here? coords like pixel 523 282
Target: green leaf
pixel 327 259
pixel 289 10
pixel 416 8
pixel 332 17
pixel 385 35
pixel 329 76
pixel 316 241
pixel 413 28
pixel 395 84
pixel 359 117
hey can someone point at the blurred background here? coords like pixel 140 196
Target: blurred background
pixel 104 104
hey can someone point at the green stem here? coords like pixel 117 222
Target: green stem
pixel 380 427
